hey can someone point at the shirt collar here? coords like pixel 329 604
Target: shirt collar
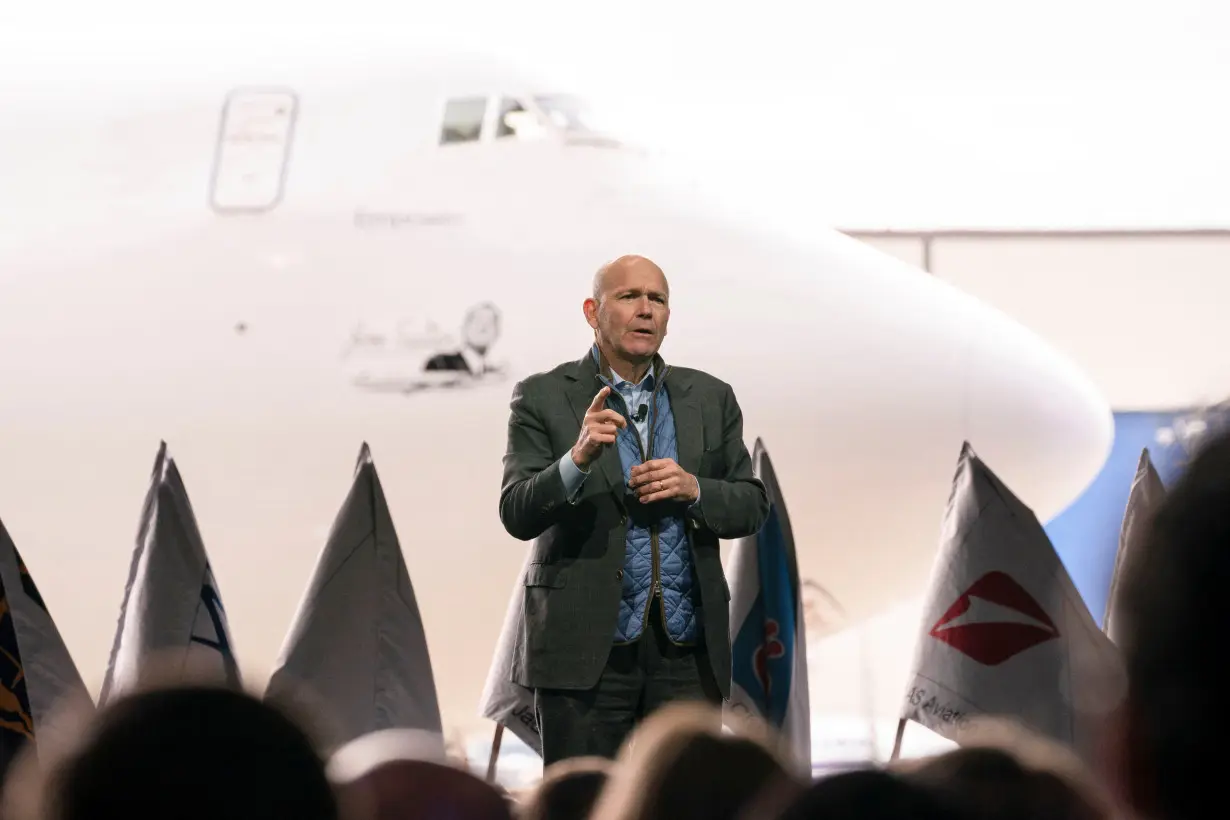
pixel 617 380
pixel 646 382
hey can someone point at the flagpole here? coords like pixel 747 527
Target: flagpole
pixel 897 743
pixel 864 659
pixel 495 752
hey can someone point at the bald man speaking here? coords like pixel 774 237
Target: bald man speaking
pixel 625 472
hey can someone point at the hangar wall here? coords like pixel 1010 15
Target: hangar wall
pixel 1142 312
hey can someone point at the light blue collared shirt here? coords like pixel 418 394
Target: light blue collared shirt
pixel 634 396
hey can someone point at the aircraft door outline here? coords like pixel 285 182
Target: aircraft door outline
pixel 256 132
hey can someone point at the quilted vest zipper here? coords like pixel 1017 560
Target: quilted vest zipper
pixel 655 587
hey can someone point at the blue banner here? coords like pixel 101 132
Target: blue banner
pixel 1086 534
pixel 764 644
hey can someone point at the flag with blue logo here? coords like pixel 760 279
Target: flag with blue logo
pixel 768 645
pixel 172 614
pixel 357 649
pixel 38 680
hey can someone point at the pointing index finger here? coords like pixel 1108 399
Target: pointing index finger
pixel 599 400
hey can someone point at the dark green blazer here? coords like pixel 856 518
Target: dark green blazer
pixel 574 581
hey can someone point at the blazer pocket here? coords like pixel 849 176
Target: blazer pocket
pixel 545 575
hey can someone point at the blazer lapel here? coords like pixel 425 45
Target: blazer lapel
pixel 689 432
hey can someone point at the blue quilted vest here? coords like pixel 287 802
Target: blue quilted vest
pixel 657 544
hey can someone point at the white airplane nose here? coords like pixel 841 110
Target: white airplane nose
pixel 864 375
pixel 1036 412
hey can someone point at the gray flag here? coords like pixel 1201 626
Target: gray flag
pixel 503 700
pixel 172 608
pixel 1146 494
pixel 357 646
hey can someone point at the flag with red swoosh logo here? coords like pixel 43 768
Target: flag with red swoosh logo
pixel 1005 632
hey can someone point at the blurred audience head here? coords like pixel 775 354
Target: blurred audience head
pixel 420 790
pixel 190 751
pixel 680 765
pixel 1161 753
pixel 568 791
pixel 1004 772
pixel 866 794
pixel 354 759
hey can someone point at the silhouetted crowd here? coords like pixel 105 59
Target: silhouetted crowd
pixel 200 751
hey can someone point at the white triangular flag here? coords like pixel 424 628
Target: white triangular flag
pixel 39 683
pixel 768 641
pixel 1146 495
pixel 172 614
pixel 1004 632
pixel 357 646
pixel 504 700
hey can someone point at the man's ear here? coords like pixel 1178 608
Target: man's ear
pixel 590 308
pixel 1123 762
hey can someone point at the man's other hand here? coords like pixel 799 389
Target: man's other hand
pixel 663 479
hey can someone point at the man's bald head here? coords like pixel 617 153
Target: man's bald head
pixel 629 309
pixel 603 275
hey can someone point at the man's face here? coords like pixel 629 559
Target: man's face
pixel 632 314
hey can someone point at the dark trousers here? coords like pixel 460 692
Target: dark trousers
pixel 638 678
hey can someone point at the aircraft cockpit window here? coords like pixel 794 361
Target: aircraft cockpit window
pixel 512 116
pixel 566 112
pixel 463 120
